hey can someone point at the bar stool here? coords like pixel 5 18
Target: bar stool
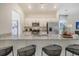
pixel 73 48
pixel 52 50
pixel 6 51
pixel 27 51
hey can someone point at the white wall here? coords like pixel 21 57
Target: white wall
pixel 42 19
pixel 5 16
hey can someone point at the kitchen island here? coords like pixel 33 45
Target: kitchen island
pixel 39 40
pixel 37 37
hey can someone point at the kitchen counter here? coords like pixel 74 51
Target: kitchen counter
pixel 39 40
pixel 37 37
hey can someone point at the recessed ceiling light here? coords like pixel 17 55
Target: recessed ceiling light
pixel 29 6
pixel 42 7
pixel 55 6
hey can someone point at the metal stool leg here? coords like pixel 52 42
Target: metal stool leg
pixel 65 53
pixel 41 53
pixel 34 55
pixel 72 54
pixel 12 53
pixel 17 54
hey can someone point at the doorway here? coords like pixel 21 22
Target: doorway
pixel 15 23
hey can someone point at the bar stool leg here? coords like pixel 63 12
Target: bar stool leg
pixel 34 55
pixel 41 53
pixel 12 53
pixel 17 54
pixel 65 53
pixel 72 54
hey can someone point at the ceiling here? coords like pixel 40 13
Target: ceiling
pixel 51 8
pixel 69 8
pixel 39 8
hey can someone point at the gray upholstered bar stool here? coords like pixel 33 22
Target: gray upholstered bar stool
pixel 27 51
pixel 6 51
pixel 73 48
pixel 52 50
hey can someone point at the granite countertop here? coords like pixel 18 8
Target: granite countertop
pixel 36 37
